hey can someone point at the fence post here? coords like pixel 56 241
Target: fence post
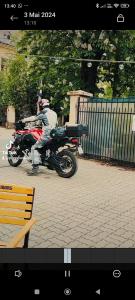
pixel 74 99
pixel 10 117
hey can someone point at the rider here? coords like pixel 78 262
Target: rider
pixel 49 120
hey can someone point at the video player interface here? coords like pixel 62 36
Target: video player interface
pixel 67 149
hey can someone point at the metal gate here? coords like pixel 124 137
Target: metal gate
pixel 110 128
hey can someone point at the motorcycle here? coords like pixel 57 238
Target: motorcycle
pixel 58 154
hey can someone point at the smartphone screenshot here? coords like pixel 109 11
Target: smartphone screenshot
pixel 67 150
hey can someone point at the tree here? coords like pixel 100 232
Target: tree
pixel 122 74
pixel 56 58
pixel 16 88
pixel 85 44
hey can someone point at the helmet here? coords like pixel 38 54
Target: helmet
pixel 43 102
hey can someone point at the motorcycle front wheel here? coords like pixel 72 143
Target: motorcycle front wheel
pixel 14 158
pixel 67 164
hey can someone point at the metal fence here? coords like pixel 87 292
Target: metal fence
pixel 110 128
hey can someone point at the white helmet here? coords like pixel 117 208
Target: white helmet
pixel 43 102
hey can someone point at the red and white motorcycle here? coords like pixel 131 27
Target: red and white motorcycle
pixel 57 154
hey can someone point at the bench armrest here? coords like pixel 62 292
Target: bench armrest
pixel 13 243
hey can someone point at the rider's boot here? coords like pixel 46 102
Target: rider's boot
pixel 34 171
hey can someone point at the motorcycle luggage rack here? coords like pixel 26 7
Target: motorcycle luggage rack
pixel 76 130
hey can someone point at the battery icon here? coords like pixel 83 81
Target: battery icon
pixel 124 5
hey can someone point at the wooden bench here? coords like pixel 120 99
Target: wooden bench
pixel 16 204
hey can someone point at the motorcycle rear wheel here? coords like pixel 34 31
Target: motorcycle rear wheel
pixel 69 161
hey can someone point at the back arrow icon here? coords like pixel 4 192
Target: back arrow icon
pixel 13 18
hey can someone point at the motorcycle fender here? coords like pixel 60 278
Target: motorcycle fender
pixel 9 145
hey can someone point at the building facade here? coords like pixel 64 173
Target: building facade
pixel 7 50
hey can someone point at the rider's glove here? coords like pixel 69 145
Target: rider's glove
pixel 23 120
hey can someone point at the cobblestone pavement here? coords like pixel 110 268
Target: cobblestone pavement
pixel 95 208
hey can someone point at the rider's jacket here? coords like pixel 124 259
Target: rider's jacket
pixel 47 116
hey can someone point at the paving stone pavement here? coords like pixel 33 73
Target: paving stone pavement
pixel 93 209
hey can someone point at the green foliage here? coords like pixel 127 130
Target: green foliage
pixel 16 87
pixel 15 81
pixel 94 44
pixel 35 63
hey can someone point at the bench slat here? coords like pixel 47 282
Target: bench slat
pixel 13 221
pixel 12 188
pixel 16 205
pixel 6 196
pixel 13 213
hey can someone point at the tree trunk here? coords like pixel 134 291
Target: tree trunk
pixel 116 81
pixel 89 75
